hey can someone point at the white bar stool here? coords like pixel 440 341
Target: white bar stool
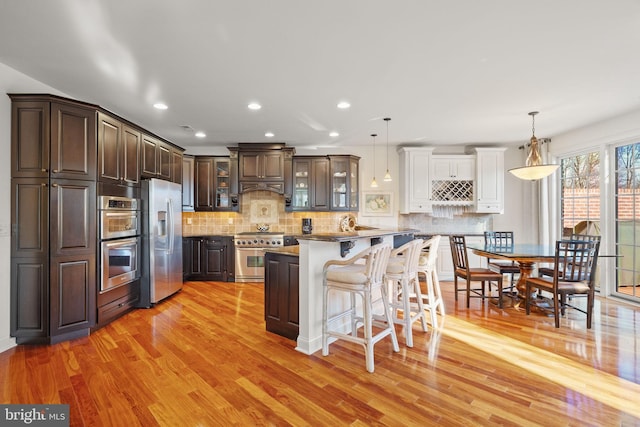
pixel 358 278
pixel 402 272
pixel 432 300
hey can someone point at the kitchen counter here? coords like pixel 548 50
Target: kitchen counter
pixel 360 234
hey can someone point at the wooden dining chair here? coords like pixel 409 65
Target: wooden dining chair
pixel 573 274
pixel 502 240
pixel 462 270
pixel 548 271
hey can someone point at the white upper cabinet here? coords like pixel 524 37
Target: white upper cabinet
pixel 490 180
pixel 429 179
pixel 415 183
pixel 456 168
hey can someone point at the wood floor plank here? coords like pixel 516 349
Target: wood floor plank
pixel 204 358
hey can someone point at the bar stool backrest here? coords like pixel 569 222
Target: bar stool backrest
pixel 377 261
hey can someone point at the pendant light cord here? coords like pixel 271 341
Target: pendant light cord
pixel 387 175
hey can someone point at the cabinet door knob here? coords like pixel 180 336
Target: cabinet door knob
pixel 43 170
pixel 56 171
pixel 54 185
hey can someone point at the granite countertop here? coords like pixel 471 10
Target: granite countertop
pixel 360 234
pixel 422 234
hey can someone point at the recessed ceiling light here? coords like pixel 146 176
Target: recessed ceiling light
pixel 201 134
pixel 269 134
pixel 254 106
pixel 160 106
pixel 334 134
pixel 343 105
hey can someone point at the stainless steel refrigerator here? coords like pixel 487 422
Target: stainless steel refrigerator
pixel 161 241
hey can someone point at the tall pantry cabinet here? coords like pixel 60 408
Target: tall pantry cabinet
pixel 53 244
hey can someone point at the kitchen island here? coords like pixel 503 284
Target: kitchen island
pixel 314 251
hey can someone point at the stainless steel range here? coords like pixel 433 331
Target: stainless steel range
pixel 250 254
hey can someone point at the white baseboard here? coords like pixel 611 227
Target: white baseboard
pixel 7 343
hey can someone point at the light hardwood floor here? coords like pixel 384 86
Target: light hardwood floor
pixel 203 358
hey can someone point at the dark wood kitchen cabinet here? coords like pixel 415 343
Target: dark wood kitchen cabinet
pixel 63 152
pixel 52 138
pixel 117 302
pixel 160 159
pixel 118 151
pixel 310 183
pixel 344 182
pixel 53 219
pixel 281 294
pixel 215 184
pixel 176 166
pixel 262 166
pixel 208 258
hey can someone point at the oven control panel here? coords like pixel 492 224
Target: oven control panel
pixel 258 241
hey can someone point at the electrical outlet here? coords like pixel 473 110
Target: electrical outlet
pixel 230 221
pixel 189 221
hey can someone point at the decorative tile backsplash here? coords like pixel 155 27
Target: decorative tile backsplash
pixel 212 223
pixel 466 223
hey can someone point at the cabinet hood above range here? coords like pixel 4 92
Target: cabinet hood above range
pixel 263 167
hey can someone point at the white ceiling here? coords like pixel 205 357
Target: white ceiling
pixel 446 72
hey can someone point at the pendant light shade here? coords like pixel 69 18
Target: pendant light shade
pixel 374 183
pixel 534 169
pixel 387 176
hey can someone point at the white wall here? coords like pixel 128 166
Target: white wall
pixel 617 129
pixel 11 81
pixel 518 208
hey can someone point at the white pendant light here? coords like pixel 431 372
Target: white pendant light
pixel 534 169
pixel 387 176
pixel 374 183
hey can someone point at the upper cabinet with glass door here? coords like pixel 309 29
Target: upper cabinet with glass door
pixel 222 184
pixel 344 183
pixel 310 183
pixel 301 187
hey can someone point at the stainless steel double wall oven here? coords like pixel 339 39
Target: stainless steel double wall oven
pixel 120 228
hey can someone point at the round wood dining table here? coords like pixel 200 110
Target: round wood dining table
pixel 526 255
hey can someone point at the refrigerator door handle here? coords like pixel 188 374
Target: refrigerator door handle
pixel 171 225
